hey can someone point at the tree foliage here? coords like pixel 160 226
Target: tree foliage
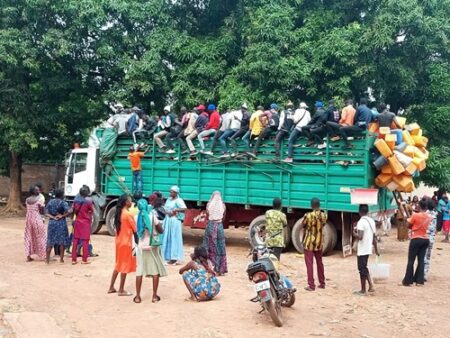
pixel 61 61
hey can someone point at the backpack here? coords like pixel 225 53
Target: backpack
pixel 132 123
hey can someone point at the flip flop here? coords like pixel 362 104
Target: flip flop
pixel 359 293
pixel 112 291
pixel 156 299
pixel 85 262
pixel 73 263
pixel 125 294
pixel 135 299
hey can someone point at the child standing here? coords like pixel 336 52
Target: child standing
pixel 135 159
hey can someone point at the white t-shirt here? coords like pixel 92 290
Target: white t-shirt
pixel 235 119
pixel 367 225
pixel 301 118
pixel 225 121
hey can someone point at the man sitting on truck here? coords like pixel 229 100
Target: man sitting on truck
pixel 165 123
pixel 200 124
pixel 346 120
pixel 275 222
pixel 270 120
pixel 234 126
pixel 362 119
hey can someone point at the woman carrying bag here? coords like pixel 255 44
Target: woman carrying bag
pixel 148 253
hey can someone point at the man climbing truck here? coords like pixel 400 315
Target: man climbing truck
pixel 248 185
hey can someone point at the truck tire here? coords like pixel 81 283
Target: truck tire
pixel 254 234
pixel 95 225
pixel 110 221
pixel 329 237
pixel 254 231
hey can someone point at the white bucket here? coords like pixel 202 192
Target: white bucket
pixel 379 271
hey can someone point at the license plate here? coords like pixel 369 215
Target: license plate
pixel 262 286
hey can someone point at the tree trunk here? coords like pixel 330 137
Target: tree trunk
pixel 15 186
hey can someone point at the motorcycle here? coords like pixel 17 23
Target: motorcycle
pixel 273 289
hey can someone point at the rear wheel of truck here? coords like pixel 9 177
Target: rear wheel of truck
pixel 110 216
pixel 329 236
pixel 257 233
pixel 95 225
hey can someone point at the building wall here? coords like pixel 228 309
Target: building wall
pixel 32 173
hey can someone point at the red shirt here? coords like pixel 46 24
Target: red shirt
pixel 419 222
pixel 214 121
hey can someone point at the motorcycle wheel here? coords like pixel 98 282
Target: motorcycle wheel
pixel 289 301
pixel 273 307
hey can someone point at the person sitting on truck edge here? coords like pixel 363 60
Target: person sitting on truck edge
pixel 212 126
pixel 301 119
pixel 363 117
pixel 315 128
pixel 255 128
pixel 234 126
pixel 188 126
pixel 346 120
pixel 276 221
pixel 165 124
pixel 135 159
pixel 314 221
pixel 245 121
pixel 284 128
pixel 386 118
pixel 174 131
pixel 225 122
pixel 270 120
pixel 200 125
pixel 365 232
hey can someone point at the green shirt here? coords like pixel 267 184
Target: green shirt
pixel 276 221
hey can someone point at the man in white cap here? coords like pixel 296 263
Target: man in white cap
pixel 165 123
pixel 301 118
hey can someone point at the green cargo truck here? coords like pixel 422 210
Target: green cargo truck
pixel 248 186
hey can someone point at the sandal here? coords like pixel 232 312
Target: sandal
pixel 137 299
pixel 156 299
pixel 112 291
pixel 359 293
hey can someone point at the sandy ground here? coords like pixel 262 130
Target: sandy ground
pixel 71 301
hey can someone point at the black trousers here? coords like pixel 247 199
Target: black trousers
pixel 362 266
pixel 264 135
pixel 417 249
pixel 439 221
pixel 216 139
pixel 278 138
pixel 333 128
pixel 276 250
pixel 345 132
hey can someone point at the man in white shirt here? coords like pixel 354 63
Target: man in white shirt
pixel 300 119
pixel 365 233
pixel 225 123
pixel 234 125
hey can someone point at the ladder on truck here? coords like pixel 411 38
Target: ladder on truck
pixel 401 204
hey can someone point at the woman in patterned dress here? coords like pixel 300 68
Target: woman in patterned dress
pixel 35 237
pixel 57 234
pixel 199 277
pixel 214 239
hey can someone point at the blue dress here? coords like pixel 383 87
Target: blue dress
pixel 57 233
pixel 172 244
pixel 203 285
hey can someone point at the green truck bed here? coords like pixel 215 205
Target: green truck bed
pixel 328 174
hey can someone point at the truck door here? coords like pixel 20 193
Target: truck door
pixel 76 172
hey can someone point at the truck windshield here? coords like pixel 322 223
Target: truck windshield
pixel 78 164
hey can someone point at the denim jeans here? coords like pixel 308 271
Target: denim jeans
pixel 223 139
pixel 292 139
pixel 137 181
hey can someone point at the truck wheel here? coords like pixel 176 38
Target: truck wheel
pixel 255 231
pixel 329 237
pixel 297 235
pixel 110 216
pixel 287 233
pixel 95 225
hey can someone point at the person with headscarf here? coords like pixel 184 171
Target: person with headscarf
pixel 214 239
pixel 83 208
pixel 148 254
pixel 125 226
pixel 35 237
pixel 172 246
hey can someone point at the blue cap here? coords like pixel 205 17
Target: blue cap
pixel 273 106
pixel 318 104
pixel 211 107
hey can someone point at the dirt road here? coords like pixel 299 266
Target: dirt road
pixel 71 301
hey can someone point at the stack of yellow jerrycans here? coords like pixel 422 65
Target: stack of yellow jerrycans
pixel 403 155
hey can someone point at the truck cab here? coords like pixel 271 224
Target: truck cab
pixel 81 169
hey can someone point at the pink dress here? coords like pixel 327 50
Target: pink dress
pixel 35 233
pixel 83 209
